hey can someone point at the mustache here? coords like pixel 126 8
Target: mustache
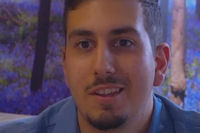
pixel 109 79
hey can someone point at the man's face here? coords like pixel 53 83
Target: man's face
pixel 108 63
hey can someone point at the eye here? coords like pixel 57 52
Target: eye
pixel 123 43
pixel 84 44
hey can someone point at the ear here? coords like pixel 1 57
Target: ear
pixel 162 57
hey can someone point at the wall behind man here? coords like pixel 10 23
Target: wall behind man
pixel 18 35
pixel 192 56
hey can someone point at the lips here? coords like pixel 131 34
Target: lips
pixel 107 90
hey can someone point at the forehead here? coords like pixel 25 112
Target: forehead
pixel 102 15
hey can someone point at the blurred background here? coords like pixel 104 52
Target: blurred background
pixel 31 42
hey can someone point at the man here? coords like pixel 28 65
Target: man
pixel 112 59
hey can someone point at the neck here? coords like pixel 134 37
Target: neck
pixel 139 123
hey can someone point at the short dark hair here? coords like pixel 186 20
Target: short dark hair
pixel 152 18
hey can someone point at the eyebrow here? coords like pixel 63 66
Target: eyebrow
pixel 124 30
pixel 118 31
pixel 81 32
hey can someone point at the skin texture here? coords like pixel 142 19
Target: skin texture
pixel 107 46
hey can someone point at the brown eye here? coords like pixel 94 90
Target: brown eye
pixel 123 43
pixel 84 44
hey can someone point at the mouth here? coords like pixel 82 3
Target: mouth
pixel 107 93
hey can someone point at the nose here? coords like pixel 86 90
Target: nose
pixel 104 62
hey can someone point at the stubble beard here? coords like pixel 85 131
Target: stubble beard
pixel 107 120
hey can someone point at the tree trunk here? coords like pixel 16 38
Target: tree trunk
pixel 198 9
pixel 41 44
pixel 164 10
pixel 178 76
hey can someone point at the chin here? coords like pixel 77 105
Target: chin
pixel 107 121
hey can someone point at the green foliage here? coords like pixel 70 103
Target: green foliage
pixel 4 82
pixel 196 62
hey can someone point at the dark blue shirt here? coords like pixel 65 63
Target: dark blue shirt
pixel 62 118
pixel 156 115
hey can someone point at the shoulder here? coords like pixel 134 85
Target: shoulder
pixel 35 124
pixel 18 126
pixel 182 120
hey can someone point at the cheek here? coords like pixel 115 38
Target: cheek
pixel 141 74
pixel 77 74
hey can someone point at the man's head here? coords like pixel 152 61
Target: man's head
pixel 151 13
pixel 109 64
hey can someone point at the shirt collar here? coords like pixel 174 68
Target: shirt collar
pixel 66 121
pixel 156 115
